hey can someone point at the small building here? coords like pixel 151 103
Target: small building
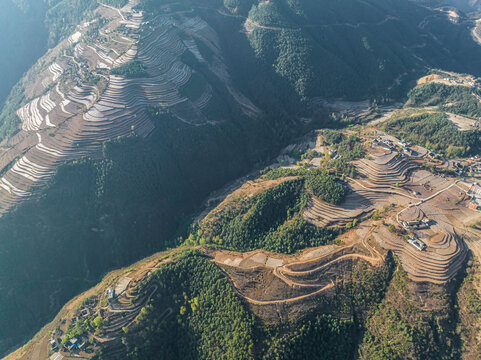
pixel 56 356
pixel 110 294
pixel 423 224
pixel 409 223
pixel 85 312
pixel 475 189
pixel 473 205
pixel 418 244
pixel 53 345
pixel 413 223
pixel 72 344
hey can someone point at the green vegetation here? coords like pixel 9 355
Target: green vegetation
pixel 346 148
pixel 209 321
pixel 349 147
pixel 80 328
pixel 321 337
pixel 127 205
pixel 9 122
pixel 99 214
pixel 435 132
pixel 365 290
pixel 455 99
pixel 272 220
pixel 350 48
pixel 260 222
pixel 324 186
pixel 333 137
pixel 132 69
pixel 403 328
pixel 98 322
pixel 469 304
pixel 130 204
pixel 272 174
pixel 296 234
pixel 64 15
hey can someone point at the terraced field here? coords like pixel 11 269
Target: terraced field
pixel 84 105
pixel 386 170
pixel 440 262
pixel 390 180
pixel 120 315
pixel 358 203
pixel 278 285
pixel 293 279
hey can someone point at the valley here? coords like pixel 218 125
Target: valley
pixel 306 174
pixel 402 200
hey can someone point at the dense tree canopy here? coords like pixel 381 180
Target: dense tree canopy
pixel 435 132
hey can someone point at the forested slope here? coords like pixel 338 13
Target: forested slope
pixel 356 48
pixel 23 40
pixel 130 202
pixel 97 214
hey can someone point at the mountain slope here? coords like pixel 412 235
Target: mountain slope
pixel 24 23
pixel 29 28
pixel 153 110
pixel 187 130
pixel 355 48
pixel 465 5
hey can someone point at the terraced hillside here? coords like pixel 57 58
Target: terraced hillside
pixel 109 327
pixel 443 258
pixel 386 170
pixel 357 204
pixel 75 113
pixel 151 107
pixel 125 90
pixel 83 105
pixel 356 272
